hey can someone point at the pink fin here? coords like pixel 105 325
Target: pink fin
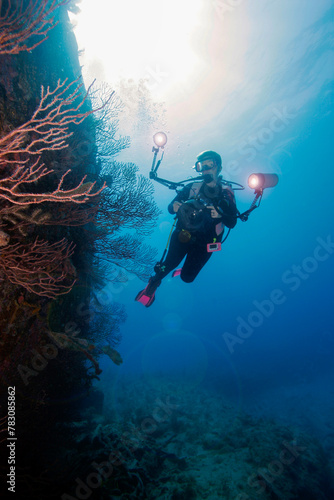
pixel 146 300
pixel 177 272
pixel 143 299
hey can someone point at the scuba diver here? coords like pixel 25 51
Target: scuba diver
pixel 203 209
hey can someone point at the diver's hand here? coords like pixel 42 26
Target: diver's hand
pixel 176 206
pixel 214 213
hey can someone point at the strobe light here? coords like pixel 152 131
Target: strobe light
pixel 160 139
pixel 262 181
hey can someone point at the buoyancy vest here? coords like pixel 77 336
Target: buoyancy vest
pixel 207 196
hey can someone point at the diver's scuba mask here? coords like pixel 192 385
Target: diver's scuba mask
pixel 200 167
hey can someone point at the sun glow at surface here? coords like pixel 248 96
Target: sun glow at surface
pixel 211 66
pixel 189 57
pixel 151 39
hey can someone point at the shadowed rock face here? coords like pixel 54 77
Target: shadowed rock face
pixel 47 379
pixel 48 346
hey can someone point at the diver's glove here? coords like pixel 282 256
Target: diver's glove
pixel 223 206
pixel 215 212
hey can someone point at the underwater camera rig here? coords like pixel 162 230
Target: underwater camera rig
pixel 193 218
pixel 258 182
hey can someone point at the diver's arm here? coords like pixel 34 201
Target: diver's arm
pixel 229 220
pixel 181 197
pixel 227 208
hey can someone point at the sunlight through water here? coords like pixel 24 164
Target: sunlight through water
pixel 151 39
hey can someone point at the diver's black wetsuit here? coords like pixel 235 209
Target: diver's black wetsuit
pixel 202 230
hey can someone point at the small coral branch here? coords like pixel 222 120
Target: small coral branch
pixel 74 343
pixel 70 216
pixel 129 200
pixel 9 188
pixel 20 21
pixel 48 128
pixel 127 252
pixel 42 268
pixel 22 216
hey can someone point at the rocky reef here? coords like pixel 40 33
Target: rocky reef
pixel 165 439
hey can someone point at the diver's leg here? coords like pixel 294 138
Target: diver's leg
pixel 196 259
pixel 175 254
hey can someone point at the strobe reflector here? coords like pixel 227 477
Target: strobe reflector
pixel 262 181
pixel 160 139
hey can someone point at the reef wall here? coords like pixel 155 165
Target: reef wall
pixel 48 201
pixel 68 212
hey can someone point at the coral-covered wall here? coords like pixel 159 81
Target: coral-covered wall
pixel 45 254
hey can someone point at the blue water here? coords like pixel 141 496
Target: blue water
pixel 282 259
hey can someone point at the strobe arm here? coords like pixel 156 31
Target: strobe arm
pixel 258 182
pixel 171 184
pixel 258 196
pixel 164 182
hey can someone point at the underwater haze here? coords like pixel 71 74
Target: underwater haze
pixel 255 329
